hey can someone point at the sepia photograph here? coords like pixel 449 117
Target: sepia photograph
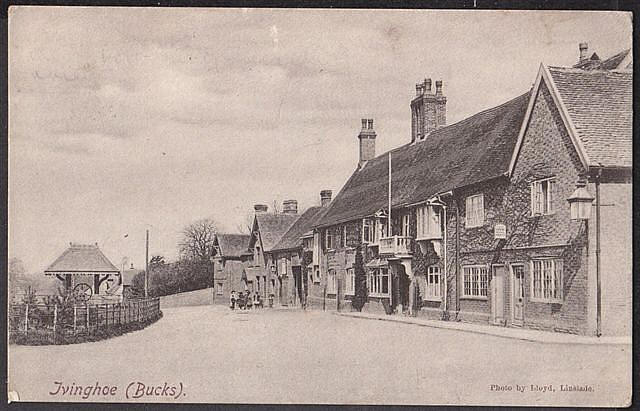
pixel 319 206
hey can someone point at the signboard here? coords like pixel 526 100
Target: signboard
pixel 500 232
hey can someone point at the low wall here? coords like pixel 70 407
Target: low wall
pixel 197 297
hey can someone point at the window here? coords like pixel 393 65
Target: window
pixel 546 280
pixel 474 210
pixel 310 274
pixel 367 231
pixel 405 225
pixel 343 236
pixel 316 248
pixel 542 193
pixel 434 290
pixel 380 229
pixel 331 281
pixel 378 282
pixel 283 266
pixel 476 280
pixel 350 282
pixel 316 275
pixel 428 219
pixel 328 239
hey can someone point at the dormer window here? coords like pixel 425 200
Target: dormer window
pixel 428 219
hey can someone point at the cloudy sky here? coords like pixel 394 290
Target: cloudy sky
pixel 123 120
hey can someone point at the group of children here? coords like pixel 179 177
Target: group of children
pixel 245 301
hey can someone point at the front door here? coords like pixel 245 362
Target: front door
pixel 497 294
pixel 518 294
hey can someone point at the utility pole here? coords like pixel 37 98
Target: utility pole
pixel 146 267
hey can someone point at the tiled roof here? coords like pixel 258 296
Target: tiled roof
pixel 82 258
pixel 272 227
pixel 233 245
pixel 292 238
pixel 600 105
pixel 470 151
pixel 612 63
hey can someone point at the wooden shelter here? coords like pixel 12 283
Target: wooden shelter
pixel 86 271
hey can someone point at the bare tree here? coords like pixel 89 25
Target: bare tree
pixel 197 240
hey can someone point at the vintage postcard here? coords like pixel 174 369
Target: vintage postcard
pixel 297 206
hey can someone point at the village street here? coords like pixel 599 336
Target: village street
pixel 290 356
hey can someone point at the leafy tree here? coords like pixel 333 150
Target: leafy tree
pixel 361 292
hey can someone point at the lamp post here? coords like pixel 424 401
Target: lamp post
pixel 580 203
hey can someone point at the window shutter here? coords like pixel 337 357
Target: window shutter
pixel 480 220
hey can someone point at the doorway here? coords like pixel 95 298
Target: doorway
pixel 497 294
pixel 517 304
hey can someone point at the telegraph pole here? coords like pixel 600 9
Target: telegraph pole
pixel 146 267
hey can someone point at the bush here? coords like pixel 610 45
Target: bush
pixel 361 292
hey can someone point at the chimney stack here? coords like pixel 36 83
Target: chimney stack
pixel 428 111
pixel 290 206
pixel 325 198
pixel 438 87
pixel 584 49
pixel 367 139
pixel 260 208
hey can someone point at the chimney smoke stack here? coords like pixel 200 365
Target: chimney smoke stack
pixel 428 111
pixel 290 206
pixel 584 49
pixel 325 197
pixel 260 208
pixel 367 139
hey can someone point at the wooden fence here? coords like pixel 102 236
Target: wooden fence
pixel 53 321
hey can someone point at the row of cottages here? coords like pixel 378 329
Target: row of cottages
pixel 489 219
pixel 270 260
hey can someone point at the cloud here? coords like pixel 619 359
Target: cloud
pixel 122 118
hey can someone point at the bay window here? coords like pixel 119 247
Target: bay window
pixel 428 219
pixel 378 282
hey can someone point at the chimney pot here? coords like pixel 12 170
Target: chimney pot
pixel 427 85
pixel 438 87
pixel 325 197
pixel 290 206
pixel 584 49
pixel 364 123
pixel 370 124
pixel 260 208
pixel 418 89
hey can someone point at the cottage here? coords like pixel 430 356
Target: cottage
pixel 88 273
pixel 472 222
pixel 292 255
pixel 231 256
pixel 262 273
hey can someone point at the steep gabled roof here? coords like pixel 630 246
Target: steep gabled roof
pixel 600 106
pixel 233 245
pixel 470 151
pixel 292 238
pixel 273 226
pixel 82 258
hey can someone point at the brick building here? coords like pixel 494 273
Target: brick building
pixel 480 226
pixel 231 256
